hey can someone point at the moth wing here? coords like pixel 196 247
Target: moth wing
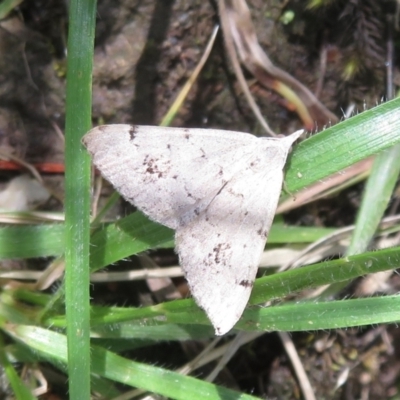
pixel 220 250
pixel 218 189
pixel 170 174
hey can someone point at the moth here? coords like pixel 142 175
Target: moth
pixel 217 189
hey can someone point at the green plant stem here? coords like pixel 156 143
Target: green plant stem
pixel 77 194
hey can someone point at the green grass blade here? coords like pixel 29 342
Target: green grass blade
pixel 77 194
pixel 127 236
pixel 162 381
pixel 111 366
pixel 20 391
pixel 311 276
pixel 376 197
pixel 337 314
pixel 284 234
pixel 31 241
pixel 152 331
pixel 133 234
pixel 136 233
pixel 344 144
pixel 170 320
pixel 130 235
pixel 20 353
pixel 265 289
pixel 6 6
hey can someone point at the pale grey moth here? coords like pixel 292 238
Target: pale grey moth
pixel 217 189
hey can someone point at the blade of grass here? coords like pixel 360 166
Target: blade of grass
pixel 293 317
pixel 154 332
pixel 342 145
pixel 127 236
pixel 20 353
pixel 20 391
pixel 130 235
pixel 376 197
pixel 337 314
pixel 77 194
pixel 265 289
pixel 114 367
pixel 112 321
pixel 136 233
pixel 6 6
pixel 31 241
pixel 299 316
